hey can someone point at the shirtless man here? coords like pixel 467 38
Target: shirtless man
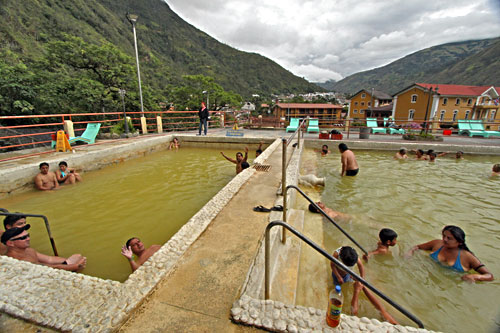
pixel 11 221
pixel 17 241
pixel 46 180
pixel 401 154
pixel 420 155
pixel 135 246
pixel 324 150
pixel 239 160
pixel 67 175
pixel 336 216
pixel 495 171
pixel 349 165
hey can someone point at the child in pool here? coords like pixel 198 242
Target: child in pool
pixel 387 239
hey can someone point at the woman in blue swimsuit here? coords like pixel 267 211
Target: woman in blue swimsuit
pixel 452 252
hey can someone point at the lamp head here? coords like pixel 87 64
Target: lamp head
pixel 132 18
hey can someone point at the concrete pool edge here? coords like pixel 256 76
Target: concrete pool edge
pixel 33 292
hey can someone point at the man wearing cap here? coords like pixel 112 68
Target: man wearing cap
pixel 11 221
pixel 17 241
pixel 135 246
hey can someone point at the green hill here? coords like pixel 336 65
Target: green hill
pixel 169 47
pixel 468 63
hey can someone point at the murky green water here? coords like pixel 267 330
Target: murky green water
pixel 150 197
pixel 417 199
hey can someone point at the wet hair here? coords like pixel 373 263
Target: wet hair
pixel 387 234
pixel 458 234
pixel 245 165
pixel 343 147
pixel 127 244
pixel 348 255
pixel 63 163
pixel 239 153
pixel 402 151
pixel 420 151
pixel 175 139
pixel 496 167
pixel 460 152
pixel 42 164
pixel 11 219
pixel 313 209
pixel 430 151
pixel 259 151
pixel 433 154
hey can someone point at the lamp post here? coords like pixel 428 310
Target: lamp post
pixel 133 20
pixel 208 94
pixel 427 110
pixel 122 94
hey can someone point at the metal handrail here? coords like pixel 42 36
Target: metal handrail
pixel 327 216
pixel 5 212
pixel 332 259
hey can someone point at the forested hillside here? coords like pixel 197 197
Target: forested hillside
pixel 468 63
pixel 70 56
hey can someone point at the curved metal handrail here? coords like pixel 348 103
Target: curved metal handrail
pixel 5 212
pixel 327 216
pixel 332 259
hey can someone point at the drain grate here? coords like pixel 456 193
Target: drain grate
pixel 262 167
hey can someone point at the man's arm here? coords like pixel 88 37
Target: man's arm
pixel 59 176
pixel 343 159
pixel 228 158
pixel 246 155
pixel 74 263
pixel 127 253
pixel 335 271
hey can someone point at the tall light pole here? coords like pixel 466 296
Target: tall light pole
pixel 133 20
pixel 122 94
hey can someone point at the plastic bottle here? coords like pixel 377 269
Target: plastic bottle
pixel 335 301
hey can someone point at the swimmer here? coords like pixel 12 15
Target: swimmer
pixel 495 171
pixel 349 164
pixel 452 252
pixel 459 155
pixel 387 239
pixel 134 246
pixel 401 154
pixel 239 160
pixel 349 258
pixel 17 241
pixel 259 150
pixel 311 180
pixel 46 180
pixel 433 156
pixel 11 221
pixel 420 155
pixel 174 144
pixel 324 150
pixel 67 175
pixel 245 165
pixel 336 216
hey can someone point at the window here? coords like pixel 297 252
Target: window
pixel 445 101
pixel 355 111
pixel 369 103
pixel 414 98
pixel 469 101
pixel 441 117
pixel 363 95
pixel 492 117
pixel 362 103
pixel 355 103
pixel 467 113
pixel 361 111
pixel 455 112
pixel 457 102
pixel 411 113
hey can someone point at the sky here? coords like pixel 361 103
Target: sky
pixel 324 40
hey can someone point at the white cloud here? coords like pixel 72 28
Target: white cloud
pixel 324 39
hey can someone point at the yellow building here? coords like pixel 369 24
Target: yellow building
pixel 362 101
pixel 447 103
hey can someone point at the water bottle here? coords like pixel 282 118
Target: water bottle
pixel 335 301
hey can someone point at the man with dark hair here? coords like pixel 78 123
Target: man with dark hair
pixel 387 239
pixel 240 159
pixel 134 246
pixel 17 241
pixel 324 150
pixel 46 180
pixel 349 257
pixel 203 114
pixel 349 164
pixel 11 221
pixel 336 216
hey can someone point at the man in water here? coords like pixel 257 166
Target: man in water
pixel 259 150
pixel 335 215
pixel 401 154
pixel 324 150
pixel 134 246
pixel 459 155
pixel 17 241
pixel 239 160
pixel 349 164
pixel 46 180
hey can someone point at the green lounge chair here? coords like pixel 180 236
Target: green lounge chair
pixel 465 128
pixel 393 130
pixel 478 125
pixel 313 125
pixel 294 125
pixel 372 123
pixel 88 136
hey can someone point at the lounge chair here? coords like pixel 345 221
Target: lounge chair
pixel 465 128
pixel 294 125
pixel 372 123
pixel 89 135
pixel 393 130
pixel 478 125
pixel 313 125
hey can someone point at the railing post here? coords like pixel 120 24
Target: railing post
pixel 267 267
pixel 298 137
pixel 283 188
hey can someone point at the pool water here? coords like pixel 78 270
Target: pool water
pixel 417 199
pixel 151 197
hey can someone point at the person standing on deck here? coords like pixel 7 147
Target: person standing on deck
pixel 203 114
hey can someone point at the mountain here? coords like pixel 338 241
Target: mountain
pixel 473 62
pixel 168 46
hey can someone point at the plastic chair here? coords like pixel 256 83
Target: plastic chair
pixel 393 130
pixel 89 135
pixel 294 125
pixel 465 128
pixel 313 125
pixel 372 123
pixel 478 125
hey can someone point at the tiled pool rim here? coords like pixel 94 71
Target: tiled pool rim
pixel 75 302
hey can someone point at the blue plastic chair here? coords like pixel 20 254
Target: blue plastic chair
pixel 313 125
pixel 89 135
pixel 294 125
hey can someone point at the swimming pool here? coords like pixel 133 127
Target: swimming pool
pixel 149 197
pixel 416 199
